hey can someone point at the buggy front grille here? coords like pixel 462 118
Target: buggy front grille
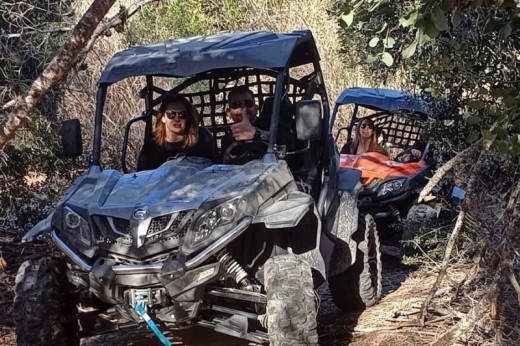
pixel 170 228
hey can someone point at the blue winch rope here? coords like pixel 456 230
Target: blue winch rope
pixel 142 312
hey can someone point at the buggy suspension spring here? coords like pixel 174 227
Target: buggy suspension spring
pixel 394 211
pixel 233 267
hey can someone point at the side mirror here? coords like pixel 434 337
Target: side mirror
pixel 71 141
pixel 308 120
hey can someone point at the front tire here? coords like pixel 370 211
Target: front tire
pixel 291 305
pixel 360 285
pixel 417 217
pixel 44 308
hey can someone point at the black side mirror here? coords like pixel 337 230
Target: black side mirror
pixel 308 120
pixel 71 141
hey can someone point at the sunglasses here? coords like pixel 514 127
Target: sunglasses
pixel 240 104
pixel 172 114
pixel 364 126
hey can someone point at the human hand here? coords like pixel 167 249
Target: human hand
pixel 243 130
pixel 416 154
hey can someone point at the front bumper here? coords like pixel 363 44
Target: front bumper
pixel 128 269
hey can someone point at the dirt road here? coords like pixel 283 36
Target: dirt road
pixel 334 326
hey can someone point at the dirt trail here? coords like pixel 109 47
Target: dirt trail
pixel 401 290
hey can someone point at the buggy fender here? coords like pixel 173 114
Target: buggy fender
pixel 296 211
pixel 42 227
pixel 285 213
pixel 344 230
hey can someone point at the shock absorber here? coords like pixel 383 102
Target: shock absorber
pixel 395 212
pixel 233 268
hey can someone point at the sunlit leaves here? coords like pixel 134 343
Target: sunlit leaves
pixel 373 42
pixel 410 50
pixel 465 51
pixel 389 42
pixel 348 18
pixel 387 58
pixel 409 20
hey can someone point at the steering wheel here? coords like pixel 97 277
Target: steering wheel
pixel 408 151
pixel 240 152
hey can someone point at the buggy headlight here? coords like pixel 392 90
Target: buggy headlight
pixel 76 226
pixel 391 186
pixel 221 215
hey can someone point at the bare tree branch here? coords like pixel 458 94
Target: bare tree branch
pixel 117 21
pixel 445 168
pixel 55 71
pixel 454 234
pixel 447 254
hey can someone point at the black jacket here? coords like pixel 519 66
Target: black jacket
pixel 153 155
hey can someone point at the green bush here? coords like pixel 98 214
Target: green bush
pixel 183 18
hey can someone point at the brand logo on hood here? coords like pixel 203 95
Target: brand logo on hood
pixel 141 214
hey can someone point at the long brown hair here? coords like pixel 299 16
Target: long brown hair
pixel 372 146
pixel 191 130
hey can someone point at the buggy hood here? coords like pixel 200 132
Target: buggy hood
pixel 374 165
pixel 177 185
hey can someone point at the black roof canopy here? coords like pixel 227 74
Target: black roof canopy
pixel 186 57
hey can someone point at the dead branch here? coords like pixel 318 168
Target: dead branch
pixel 456 229
pixel 117 21
pixel 446 167
pixel 508 270
pixel 442 272
pixel 34 31
pixel 475 314
pixel 55 71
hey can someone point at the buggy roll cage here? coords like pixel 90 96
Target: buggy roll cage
pixel 401 116
pixel 216 59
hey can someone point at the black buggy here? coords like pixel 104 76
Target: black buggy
pixel 238 244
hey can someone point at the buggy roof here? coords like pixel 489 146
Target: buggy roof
pixel 384 99
pixel 186 57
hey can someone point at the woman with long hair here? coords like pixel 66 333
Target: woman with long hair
pixel 176 134
pixel 365 140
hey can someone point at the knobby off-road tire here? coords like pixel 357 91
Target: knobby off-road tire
pixel 417 216
pixel 44 308
pixel 291 305
pixel 360 285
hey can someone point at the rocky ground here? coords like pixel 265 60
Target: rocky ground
pixel 391 322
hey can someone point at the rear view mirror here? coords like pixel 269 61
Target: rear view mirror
pixel 71 141
pixel 308 120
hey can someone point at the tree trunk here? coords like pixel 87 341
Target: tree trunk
pixel 55 71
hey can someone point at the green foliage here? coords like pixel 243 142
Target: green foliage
pixel 465 52
pixel 182 18
pixel 186 18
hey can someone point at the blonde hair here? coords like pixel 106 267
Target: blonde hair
pixel 372 146
pixel 191 131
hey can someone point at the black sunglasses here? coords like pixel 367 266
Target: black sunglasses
pixel 364 126
pixel 240 104
pixel 172 114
